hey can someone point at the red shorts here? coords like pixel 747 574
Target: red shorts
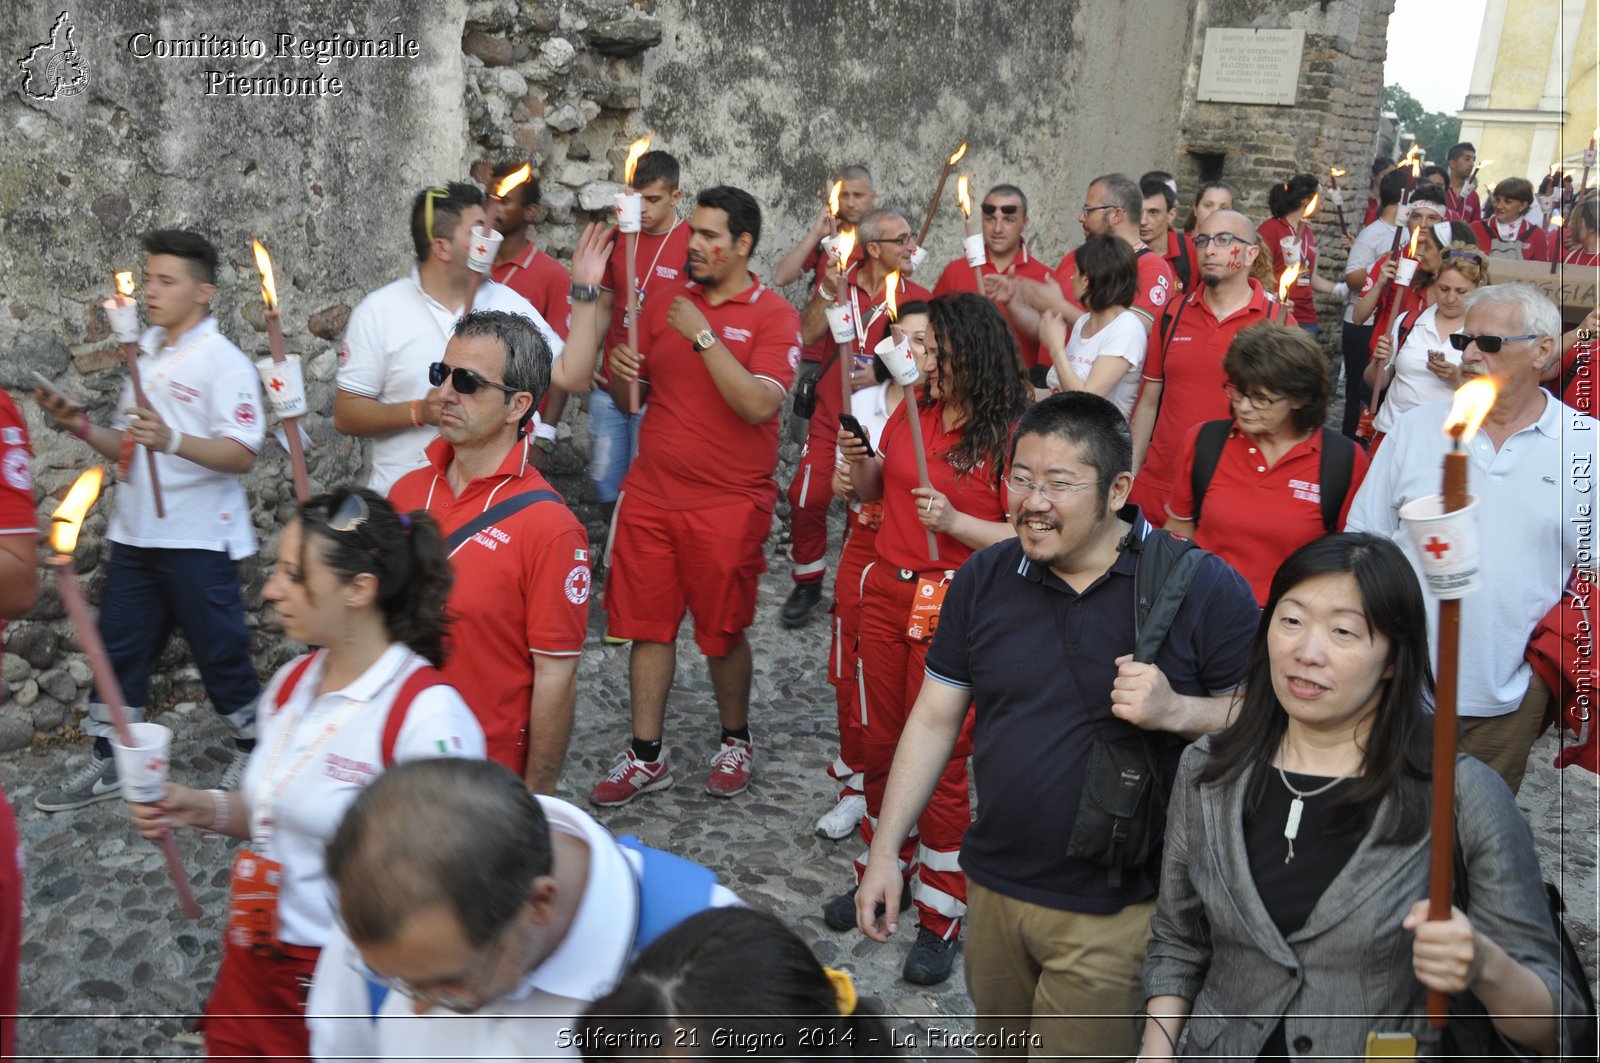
pixel 258 1008
pixel 666 562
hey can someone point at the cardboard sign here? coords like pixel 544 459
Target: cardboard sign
pixel 1573 288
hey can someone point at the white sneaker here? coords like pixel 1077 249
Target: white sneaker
pixel 845 817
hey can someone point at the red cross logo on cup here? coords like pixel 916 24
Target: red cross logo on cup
pixel 1437 548
pixel 277 384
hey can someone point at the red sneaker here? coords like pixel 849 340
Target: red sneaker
pixel 731 768
pixel 629 777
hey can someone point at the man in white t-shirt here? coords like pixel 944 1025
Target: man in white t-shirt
pixel 396 332
pixel 177 568
pixel 479 920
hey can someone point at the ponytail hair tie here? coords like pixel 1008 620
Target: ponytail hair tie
pixel 844 990
pixel 405 523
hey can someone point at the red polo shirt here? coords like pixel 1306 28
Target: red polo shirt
pixel 1180 248
pixel 902 541
pixel 521 590
pixel 1529 236
pixel 819 349
pixel 1273 231
pixel 17 517
pixel 957 277
pixel 1412 297
pixel 1254 515
pixel 1157 282
pixel 694 450
pixel 542 281
pixel 1190 368
pixel 660 261
pixel 873 313
pixel 1468 209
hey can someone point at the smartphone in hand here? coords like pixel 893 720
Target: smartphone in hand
pixel 853 426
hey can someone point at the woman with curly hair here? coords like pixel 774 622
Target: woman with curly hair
pixel 973 394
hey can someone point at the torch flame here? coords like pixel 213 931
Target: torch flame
pixel 125 282
pixel 1311 206
pixel 963 195
pixel 1411 252
pixel 1290 275
pixel 833 197
pixel 1336 172
pixel 847 247
pixel 68 517
pixel 1472 403
pixel 521 174
pixel 638 148
pixel 1416 168
pixel 962 150
pixel 269 287
pixel 890 302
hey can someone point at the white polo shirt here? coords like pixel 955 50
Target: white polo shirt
pixel 535 1021
pixel 394 334
pixel 1412 385
pixel 202 386
pixel 1535 505
pixel 1372 243
pixel 307 804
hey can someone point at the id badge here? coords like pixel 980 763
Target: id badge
pixel 925 606
pixel 253 902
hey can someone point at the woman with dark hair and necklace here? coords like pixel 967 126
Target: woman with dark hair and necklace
pixel 1292 912
pixel 368 586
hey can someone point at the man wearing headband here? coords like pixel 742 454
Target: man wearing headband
pixel 396 332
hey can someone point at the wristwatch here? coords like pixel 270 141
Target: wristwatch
pixel 585 293
pixel 704 340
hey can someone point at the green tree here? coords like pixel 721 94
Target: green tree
pixel 1435 130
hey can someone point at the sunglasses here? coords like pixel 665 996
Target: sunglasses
pixel 1476 256
pixel 1487 344
pixel 351 514
pixel 465 381
pixel 1008 209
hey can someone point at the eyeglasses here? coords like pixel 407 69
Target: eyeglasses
pixel 902 239
pixel 455 1001
pixel 465 381
pixel 1008 209
pixel 1106 206
pixel 1257 400
pixel 1487 344
pixel 1054 491
pixel 1203 241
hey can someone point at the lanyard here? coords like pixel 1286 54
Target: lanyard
pixel 863 326
pixel 650 271
pixel 261 818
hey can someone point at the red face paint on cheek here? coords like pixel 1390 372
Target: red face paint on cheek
pixel 716 256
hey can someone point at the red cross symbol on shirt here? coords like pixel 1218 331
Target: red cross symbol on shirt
pixel 1436 548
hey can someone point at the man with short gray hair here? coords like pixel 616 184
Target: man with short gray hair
pixel 520 601
pixel 1531 470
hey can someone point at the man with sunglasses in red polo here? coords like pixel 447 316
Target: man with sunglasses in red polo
pixel 1005 217
pixel 519 605
pixel 396 332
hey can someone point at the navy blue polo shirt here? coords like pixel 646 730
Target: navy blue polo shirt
pixel 1039 660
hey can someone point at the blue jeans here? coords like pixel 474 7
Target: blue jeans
pixel 149 592
pixel 613 444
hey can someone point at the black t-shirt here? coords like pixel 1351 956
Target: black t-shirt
pixel 1290 889
pixel 1039 659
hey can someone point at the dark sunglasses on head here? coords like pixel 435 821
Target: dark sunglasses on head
pixel 1008 209
pixel 1487 344
pixel 351 514
pixel 1476 256
pixel 465 381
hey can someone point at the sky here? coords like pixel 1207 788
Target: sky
pixel 1451 28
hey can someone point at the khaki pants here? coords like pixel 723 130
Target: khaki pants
pixel 1503 742
pixel 1050 983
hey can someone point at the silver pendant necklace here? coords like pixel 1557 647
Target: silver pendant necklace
pixel 1291 826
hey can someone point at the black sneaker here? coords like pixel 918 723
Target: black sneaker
pixel 802 600
pixel 840 913
pixel 930 960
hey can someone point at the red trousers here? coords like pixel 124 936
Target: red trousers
pixel 10 925
pixel 844 665
pixel 258 1008
pixel 810 494
pixel 892 667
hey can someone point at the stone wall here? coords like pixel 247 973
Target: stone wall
pixel 772 95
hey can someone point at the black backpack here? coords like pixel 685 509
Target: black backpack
pixel 1181 263
pixel 1338 465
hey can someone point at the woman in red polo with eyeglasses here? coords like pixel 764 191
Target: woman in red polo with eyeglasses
pixel 971 398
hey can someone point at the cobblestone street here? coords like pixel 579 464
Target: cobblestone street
pixel 110 968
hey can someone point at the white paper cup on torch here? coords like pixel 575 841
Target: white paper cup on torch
pixel 1402 214
pixel 918 257
pixel 124 318
pixel 840 323
pixel 142 767
pixel 483 248
pixel 973 246
pixel 630 208
pixel 1289 247
pixel 899 360
pixel 285 386
pixel 1404 270
pixel 1447 544
pixel 1337 196
pixel 830 248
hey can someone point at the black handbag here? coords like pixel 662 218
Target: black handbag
pixel 805 389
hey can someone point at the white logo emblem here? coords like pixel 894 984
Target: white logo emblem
pixel 577 584
pixel 16 471
pixel 54 68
